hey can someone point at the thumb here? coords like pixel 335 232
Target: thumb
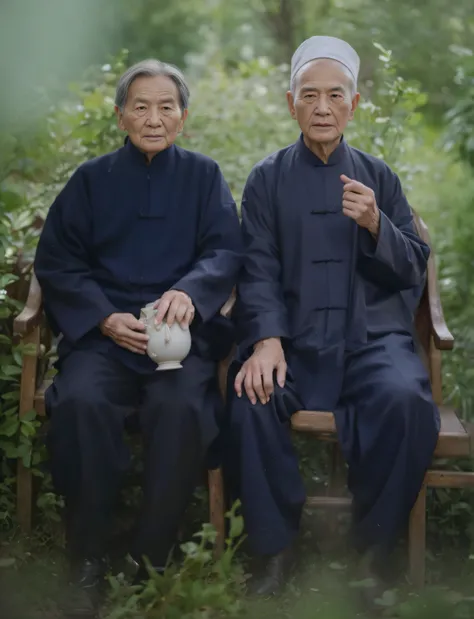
pixel 133 323
pixel 281 373
pixel 345 179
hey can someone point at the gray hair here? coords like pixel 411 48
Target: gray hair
pixel 151 68
pixel 352 82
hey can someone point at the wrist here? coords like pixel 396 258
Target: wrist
pixel 269 341
pixel 375 224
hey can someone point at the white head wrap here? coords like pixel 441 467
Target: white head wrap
pixel 325 47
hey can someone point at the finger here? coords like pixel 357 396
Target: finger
pixel 350 213
pixel 267 380
pixel 345 179
pixel 238 382
pixel 129 345
pixel 132 340
pixel 351 206
pixel 357 187
pixel 173 309
pixel 125 332
pixel 248 385
pixel 162 307
pixel 257 382
pixel 188 317
pixel 132 323
pixel 181 312
pixel 350 196
pixel 281 373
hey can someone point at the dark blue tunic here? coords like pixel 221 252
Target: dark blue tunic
pixel 313 277
pixel 343 305
pixel 121 233
pixel 118 236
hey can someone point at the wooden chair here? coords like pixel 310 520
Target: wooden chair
pixel 31 326
pixel 454 439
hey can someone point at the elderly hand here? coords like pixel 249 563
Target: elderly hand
pixel 257 372
pixel 176 306
pixel 126 331
pixel 359 204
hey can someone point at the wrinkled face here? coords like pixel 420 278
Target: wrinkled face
pixel 152 116
pixel 322 102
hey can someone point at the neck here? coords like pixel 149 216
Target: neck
pixel 322 150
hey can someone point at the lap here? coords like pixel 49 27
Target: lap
pixel 89 378
pixel 188 384
pixel 387 367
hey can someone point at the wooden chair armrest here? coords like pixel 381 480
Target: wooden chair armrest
pixel 228 306
pixel 30 316
pixel 443 338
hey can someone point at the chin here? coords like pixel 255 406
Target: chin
pixel 324 136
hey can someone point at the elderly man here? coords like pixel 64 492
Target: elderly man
pixel 332 275
pixel 150 222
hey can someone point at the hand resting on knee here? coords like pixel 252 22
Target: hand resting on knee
pixel 256 374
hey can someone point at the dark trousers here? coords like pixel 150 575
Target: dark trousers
pixel 88 403
pixel 387 424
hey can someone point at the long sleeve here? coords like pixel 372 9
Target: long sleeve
pixel 398 259
pixel 74 301
pixel 211 280
pixel 261 308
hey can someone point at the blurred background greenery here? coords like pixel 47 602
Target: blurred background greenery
pixel 60 63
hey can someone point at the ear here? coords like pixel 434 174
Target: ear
pixel 355 103
pixel 119 115
pixel 291 104
pixel 183 120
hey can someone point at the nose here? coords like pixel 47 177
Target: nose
pixel 322 107
pixel 154 118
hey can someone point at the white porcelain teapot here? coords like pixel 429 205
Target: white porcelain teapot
pixel 167 346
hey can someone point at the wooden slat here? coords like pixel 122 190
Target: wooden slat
pixel 449 479
pixel 417 539
pixel 27 392
pixel 453 442
pixel 39 398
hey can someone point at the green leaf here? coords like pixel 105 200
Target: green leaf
pixel 236 527
pixel 29 416
pixel 7 562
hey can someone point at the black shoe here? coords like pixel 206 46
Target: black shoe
pixel 275 574
pixel 83 593
pixel 372 570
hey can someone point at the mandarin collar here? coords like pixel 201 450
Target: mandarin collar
pixel 335 157
pixel 162 158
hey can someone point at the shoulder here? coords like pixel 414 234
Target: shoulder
pixel 268 168
pixel 96 166
pixel 377 169
pixel 196 160
pixel 103 162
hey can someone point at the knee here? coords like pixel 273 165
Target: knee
pixel 406 402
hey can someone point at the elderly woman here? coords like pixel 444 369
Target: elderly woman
pixel 150 221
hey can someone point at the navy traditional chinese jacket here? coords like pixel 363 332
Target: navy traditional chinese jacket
pixel 122 232
pixel 315 279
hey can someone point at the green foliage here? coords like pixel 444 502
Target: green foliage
pixel 199 588
pixel 460 118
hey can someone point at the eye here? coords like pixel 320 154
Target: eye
pixel 140 108
pixel 336 95
pixel 167 108
pixel 309 97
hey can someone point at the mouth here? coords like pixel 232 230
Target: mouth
pixel 322 126
pixel 153 137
